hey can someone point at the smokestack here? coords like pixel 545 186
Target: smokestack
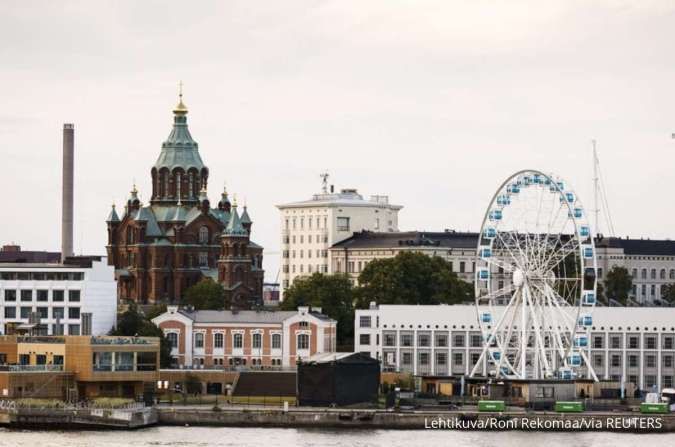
pixel 67 192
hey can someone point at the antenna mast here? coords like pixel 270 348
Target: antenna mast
pixel 324 182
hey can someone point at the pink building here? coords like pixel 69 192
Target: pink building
pixel 212 338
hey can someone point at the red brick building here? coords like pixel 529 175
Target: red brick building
pixel 162 248
pixel 210 338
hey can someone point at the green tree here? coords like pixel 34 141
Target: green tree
pixel 617 284
pixel 206 295
pixel 411 278
pixel 134 324
pixel 668 292
pixel 333 293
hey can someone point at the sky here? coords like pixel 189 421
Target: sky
pixel 433 103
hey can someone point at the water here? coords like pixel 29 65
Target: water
pixel 257 437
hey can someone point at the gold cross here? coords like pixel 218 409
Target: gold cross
pixel 180 89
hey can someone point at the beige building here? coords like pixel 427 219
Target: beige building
pixel 309 228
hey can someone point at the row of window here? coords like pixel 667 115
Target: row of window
pixel 41 295
pixel 633 361
pixel 43 312
pixel 302 342
pixel 310 219
pixel 318 268
pixel 652 273
pixel 317 238
pixel 42 276
pixel 291 254
pixel 234 361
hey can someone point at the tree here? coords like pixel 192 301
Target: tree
pixel 206 295
pixel 618 284
pixel 668 292
pixel 333 293
pixel 411 278
pixel 134 324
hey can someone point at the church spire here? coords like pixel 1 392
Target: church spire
pixel 180 109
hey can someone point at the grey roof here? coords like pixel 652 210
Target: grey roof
pixel 245 219
pixel 234 227
pixel 244 316
pixel 645 247
pixel 179 149
pixel 113 217
pixel 445 239
pixel 346 197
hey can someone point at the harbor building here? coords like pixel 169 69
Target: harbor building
pixel 162 248
pixel 636 344
pixel 259 339
pixel 73 297
pixel 77 367
pixel 309 228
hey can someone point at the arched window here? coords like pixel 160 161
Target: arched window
pixel 256 341
pixel 653 274
pixel 199 340
pixel 172 338
pixel 204 235
pixel 218 340
pixel 663 274
pixel 644 273
pixel 303 342
pixel 672 273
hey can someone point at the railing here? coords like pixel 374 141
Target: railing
pixel 39 339
pixel 233 368
pixel 29 368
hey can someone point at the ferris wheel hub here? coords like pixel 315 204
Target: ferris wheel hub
pixel 518 277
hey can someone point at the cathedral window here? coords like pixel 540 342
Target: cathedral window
pixel 204 235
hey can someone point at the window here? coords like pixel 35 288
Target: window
pixel 74 312
pixel 303 342
pixel 650 381
pixel 364 321
pixel 668 361
pixel 476 341
pixel 424 358
pixel 43 312
pixel 218 340
pixel 633 342
pixel 406 358
pixel 616 361
pixel 276 341
pixel 458 341
pixel 203 235
pixel 597 361
pixel 256 341
pixel 667 381
pixel 57 295
pixel 441 358
pixel 668 343
pixel 42 295
pixel 644 274
pixel 653 274
pixel 364 339
pixel 406 340
pixel 73 329
pixel 662 275
pixel 634 274
pixel 199 340
pixel 650 361
pixel 616 342
pixel 423 340
pixel 545 392
pixel 462 267
pixel 26 295
pixel 73 295
pixel 632 379
pixel 10 295
pixel 237 341
pixel 651 342
pixel 343 223
pixel 389 340
pixel 172 338
pixel 458 358
pixel 203 259
pixel 597 342
pixel 10 312
pixel 633 361
pixel 474 358
pixel 441 340
pixel 25 312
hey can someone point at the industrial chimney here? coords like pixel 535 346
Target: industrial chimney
pixel 67 192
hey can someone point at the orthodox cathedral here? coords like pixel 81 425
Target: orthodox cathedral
pixel 162 248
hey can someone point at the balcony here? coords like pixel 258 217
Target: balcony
pixel 31 368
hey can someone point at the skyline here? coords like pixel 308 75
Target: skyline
pixel 408 101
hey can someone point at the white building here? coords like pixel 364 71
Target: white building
pixel 309 228
pixel 650 262
pixel 58 292
pixel 637 344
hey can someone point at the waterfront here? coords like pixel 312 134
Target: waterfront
pixel 243 437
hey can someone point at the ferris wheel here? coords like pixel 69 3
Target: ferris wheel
pixel 535 282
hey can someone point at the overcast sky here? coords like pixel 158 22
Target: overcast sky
pixel 432 103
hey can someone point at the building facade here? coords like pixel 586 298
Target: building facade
pixel 162 248
pixel 54 298
pixel 77 367
pixel 633 344
pixel 651 263
pixel 263 339
pixel 309 228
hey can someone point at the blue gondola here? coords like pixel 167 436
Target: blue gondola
pixel 537 179
pixel 580 341
pixel 504 371
pixel 496 355
pixel 575 360
pixel 547 181
pixel 578 213
pixel 584 231
pixel 490 233
pixel 486 317
pixel 561 186
pixel 586 320
pixel 503 200
pixel 570 197
pixel 566 374
pixel 485 252
pixel 527 180
pixel 483 274
pixel 589 298
pixel 495 215
pixel 514 188
pixel 588 252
